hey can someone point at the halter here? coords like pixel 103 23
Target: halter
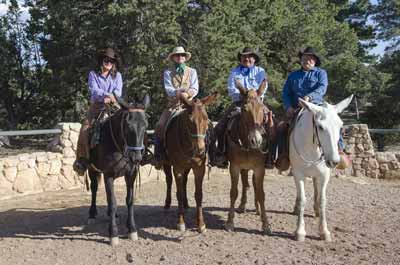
pixel 126 147
pixel 315 135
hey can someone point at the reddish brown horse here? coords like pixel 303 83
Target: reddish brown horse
pixel 186 149
pixel 244 151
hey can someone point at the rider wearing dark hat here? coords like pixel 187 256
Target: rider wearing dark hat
pixel 309 83
pixel 250 76
pixel 103 83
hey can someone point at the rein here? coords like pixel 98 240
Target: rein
pixel 315 135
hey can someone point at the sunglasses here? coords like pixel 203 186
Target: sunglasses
pixel 108 60
pixel 180 55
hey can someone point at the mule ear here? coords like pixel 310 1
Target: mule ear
pixel 210 99
pixel 261 88
pixel 342 105
pixel 239 86
pixel 310 106
pixel 146 101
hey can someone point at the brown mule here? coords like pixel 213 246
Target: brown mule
pixel 244 152
pixel 186 149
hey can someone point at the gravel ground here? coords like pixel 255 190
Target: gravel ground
pixel 50 228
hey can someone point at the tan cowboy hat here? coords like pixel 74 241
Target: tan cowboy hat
pixel 179 50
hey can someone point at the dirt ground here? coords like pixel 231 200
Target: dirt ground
pixel 50 228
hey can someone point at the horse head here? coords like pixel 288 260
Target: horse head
pixel 196 121
pixel 251 129
pixel 327 125
pixel 133 125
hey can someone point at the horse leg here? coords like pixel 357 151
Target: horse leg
pixel 323 227
pixel 316 196
pixel 234 171
pixel 300 231
pixel 245 187
pixel 168 179
pixel 185 180
pixel 260 196
pixel 198 194
pixel 296 208
pixel 130 221
pixel 256 205
pixel 94 184
pixel 179 195
pixel 112 206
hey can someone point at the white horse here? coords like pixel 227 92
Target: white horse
pixel 313 152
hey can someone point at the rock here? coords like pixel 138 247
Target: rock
pixel 10 173
pixel 66 143
pixel 68 161
pixel 22 166
pixel 55 167
pixel 360 173
pixel 4 183
pixel 69 174
pixel 384 167
pixel 76 127
pixel 27 180
pixel 373 163
pixel 11 162
pixel 43 169
pixel 50 182
pixel 373 174
pixel 359 148
pixel 390 156
pixel 69 152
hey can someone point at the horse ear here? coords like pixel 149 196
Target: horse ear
pixel 239 86
pixel 121 102
pixel 146 101
pixel 343 104
pixel 209 99
pixel 309 106
pixel 261 88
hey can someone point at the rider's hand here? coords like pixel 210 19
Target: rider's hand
pixel 290 112
pixel 307 98
pixel 109 99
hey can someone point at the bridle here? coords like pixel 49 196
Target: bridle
pixel 315 139
pixel 126 148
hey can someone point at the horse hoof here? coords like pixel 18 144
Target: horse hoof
pixel 326 237
pixel 167 207
pixel 229 227
pixel 202 229
pixel 91 221
pixel 181 227
pixel 300 237
pixel 267 231
pixel 114 241
pixel 257 212
pixel 133 236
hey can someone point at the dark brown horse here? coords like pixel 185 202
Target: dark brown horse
pixel 119 154
pixel 244 151
pixel 186 149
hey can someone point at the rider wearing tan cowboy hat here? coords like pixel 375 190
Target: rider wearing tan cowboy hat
pixel 180 81
pixel 103 83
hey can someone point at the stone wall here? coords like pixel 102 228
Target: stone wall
pixel 365 161
pixel 47 171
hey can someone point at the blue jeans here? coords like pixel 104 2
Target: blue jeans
pixel 341 143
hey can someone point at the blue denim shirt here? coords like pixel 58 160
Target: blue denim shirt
pixel 100 86
pixel 301 83
pixel 250 79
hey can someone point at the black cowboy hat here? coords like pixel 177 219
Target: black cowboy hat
pixel 310 51
pixel 247 51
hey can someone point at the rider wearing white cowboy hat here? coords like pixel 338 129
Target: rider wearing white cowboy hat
pixel 180 81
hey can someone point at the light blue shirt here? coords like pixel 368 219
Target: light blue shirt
pixel 100 86
pixel 249 80
pixel 171 90
pixel 301 83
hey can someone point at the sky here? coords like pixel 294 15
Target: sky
pixel 378 50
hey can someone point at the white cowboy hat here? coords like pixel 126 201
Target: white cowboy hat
pixel 179 50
